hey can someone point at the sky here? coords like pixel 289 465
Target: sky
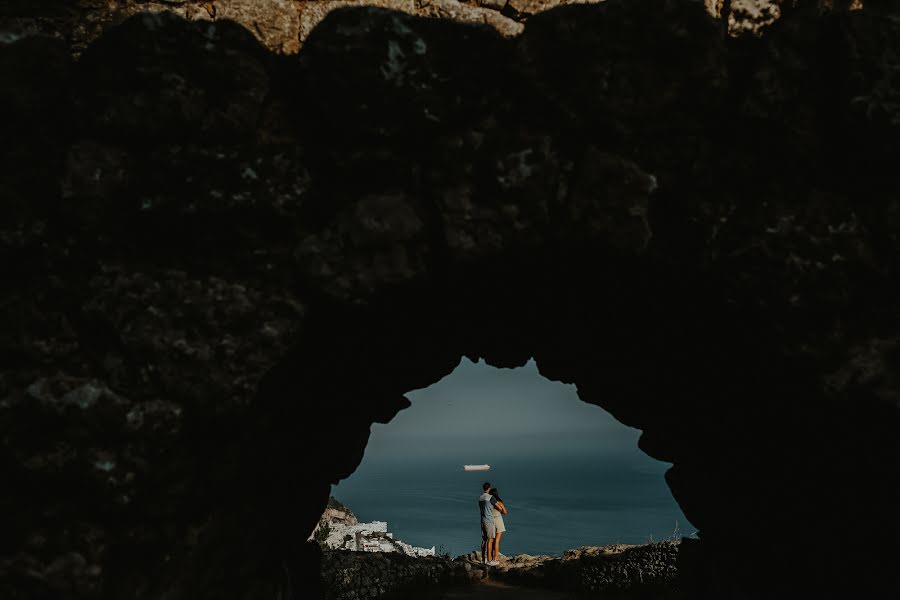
pixel 513 409
pixel 575 473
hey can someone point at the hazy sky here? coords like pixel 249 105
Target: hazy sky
pixel 538 437
pixel 480 402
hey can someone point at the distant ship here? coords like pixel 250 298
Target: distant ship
pixel 476 467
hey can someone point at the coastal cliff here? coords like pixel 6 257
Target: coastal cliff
pixel 335 512
pixel 339 529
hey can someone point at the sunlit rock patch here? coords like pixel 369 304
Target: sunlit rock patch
pixel 283 25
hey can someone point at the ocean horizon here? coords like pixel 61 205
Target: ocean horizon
pixel 567 493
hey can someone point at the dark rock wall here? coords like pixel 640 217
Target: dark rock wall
pixel 209 251
pixel 145 294
pixel 645 571
pixel 350 575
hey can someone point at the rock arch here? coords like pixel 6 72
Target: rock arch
pixel 700 232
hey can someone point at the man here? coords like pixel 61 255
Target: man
pixel 488 532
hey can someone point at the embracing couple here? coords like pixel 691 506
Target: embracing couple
pixel 492 528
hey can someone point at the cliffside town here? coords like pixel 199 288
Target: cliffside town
pixel 339 529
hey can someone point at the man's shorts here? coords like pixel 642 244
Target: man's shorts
pixel 488 531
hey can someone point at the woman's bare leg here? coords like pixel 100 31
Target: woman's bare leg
pixel 497 545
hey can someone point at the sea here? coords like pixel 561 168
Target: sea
pixel 557 499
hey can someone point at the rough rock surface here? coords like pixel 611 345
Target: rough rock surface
pixel 647 570
pixel 350 575
pixel 209 249
pixel 335 512
pixel 333 515
pixel 638 571
pixel 275 23
pixel 283 25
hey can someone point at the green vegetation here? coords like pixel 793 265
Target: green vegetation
pixel 336 504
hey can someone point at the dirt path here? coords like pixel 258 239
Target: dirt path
pixel 495 590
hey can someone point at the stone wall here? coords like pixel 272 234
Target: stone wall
pixel 633 571
pixel 369 575
pixel 626 571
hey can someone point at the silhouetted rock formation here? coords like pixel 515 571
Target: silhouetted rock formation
pixel 620 571
pixel 209 248
pixel 616 570
pixel 350 575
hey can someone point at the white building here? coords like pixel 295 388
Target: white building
pixel 369 537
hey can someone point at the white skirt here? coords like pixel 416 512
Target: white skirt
pixel 498 523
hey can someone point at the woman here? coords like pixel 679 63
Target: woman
pixel 499 510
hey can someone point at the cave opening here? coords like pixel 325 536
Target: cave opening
pixel 672 221
pixel 570 474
